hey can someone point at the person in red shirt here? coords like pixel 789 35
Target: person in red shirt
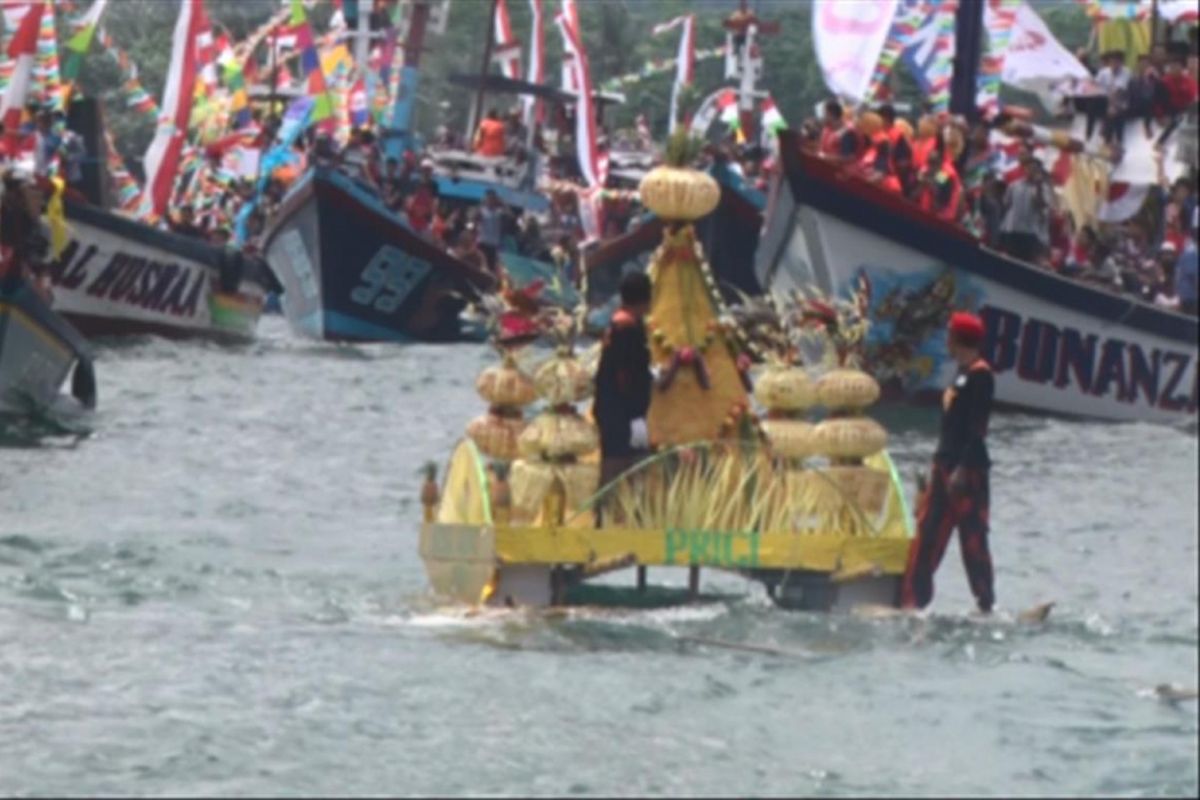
pixel 939 189
pixel 839 141
pixel 1180 86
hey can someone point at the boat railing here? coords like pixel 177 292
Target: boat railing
pixel 489 169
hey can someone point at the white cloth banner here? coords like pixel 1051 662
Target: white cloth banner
pixel 1034 58
pixel 848 37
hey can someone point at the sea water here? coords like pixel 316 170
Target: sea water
pixel 218 592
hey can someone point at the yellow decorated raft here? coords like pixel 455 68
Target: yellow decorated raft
pixel 811 509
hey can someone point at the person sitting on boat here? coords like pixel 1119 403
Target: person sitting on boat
pixel 490 138
pixel 940 190
pixel 900 152
pixel 184 223
pixel 839 141
pixel 1185 271
pixel 423 200
pixel 957 494
pixel 492 218
pixel 624 381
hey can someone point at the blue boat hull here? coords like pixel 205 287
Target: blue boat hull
pixel 38 350
pixel 353 271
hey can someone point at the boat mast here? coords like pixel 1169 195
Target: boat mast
pixel 362 38
pixel 968 44
pixel 399 136
pixel 746 27
pixel 477 109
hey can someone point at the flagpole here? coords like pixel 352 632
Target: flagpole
pixel 477 108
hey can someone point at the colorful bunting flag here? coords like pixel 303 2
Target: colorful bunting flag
pixel 79 44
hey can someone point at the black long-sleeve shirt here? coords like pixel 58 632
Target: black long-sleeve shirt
pixel 966 409
pixel 623 382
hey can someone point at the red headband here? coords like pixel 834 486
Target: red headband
pixel 966 328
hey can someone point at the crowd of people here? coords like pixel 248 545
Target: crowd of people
pixel 959 174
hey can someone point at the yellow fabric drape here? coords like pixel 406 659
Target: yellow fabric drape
pixel 1131 36
pixel 56 218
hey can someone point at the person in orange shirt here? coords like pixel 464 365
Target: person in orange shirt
pixel 490 138
pixel 939 189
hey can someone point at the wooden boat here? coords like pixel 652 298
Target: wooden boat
pixel 120 277
pixel 1057 345
pixel 352 270
pixel 39 352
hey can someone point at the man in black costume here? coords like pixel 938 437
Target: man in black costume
pixel 623 381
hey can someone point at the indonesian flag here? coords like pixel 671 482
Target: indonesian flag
pixel 508 49
pixel 772 120
pixel 23 50
pixel 534 110
pixel 1124 200
pixel 162 157
pixel 571 13
pixel 685 60
pixel 206 54
pixel 727 105
pixel 585 113
pixel 593 166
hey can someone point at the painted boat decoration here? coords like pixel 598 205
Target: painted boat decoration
pixel 1058 346
pixel 39 352
pixel 120 277
pixel 354 271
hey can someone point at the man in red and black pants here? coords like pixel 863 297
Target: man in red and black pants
pixel 957 494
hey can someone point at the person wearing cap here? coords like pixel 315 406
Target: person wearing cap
pixel 957 494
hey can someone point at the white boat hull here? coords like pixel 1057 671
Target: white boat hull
pixel 1057 346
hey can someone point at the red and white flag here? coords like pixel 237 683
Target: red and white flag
pixel 162 157
pixel 206 51
pixel 571 13
pixel 592 163
pixel 534 110
pixel 23 51
pixel 685 60
pixel 508 49
pixel 1123 201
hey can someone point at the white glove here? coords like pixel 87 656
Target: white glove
pixel 640 440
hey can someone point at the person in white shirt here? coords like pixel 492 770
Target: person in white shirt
pixel 1114 79
pixel 1028 202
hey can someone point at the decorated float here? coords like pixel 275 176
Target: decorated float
pixel 743 477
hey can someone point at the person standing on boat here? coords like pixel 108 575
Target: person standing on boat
pixel 623 381
pixel 957 495
pixel 491 228
pixel 1027 206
